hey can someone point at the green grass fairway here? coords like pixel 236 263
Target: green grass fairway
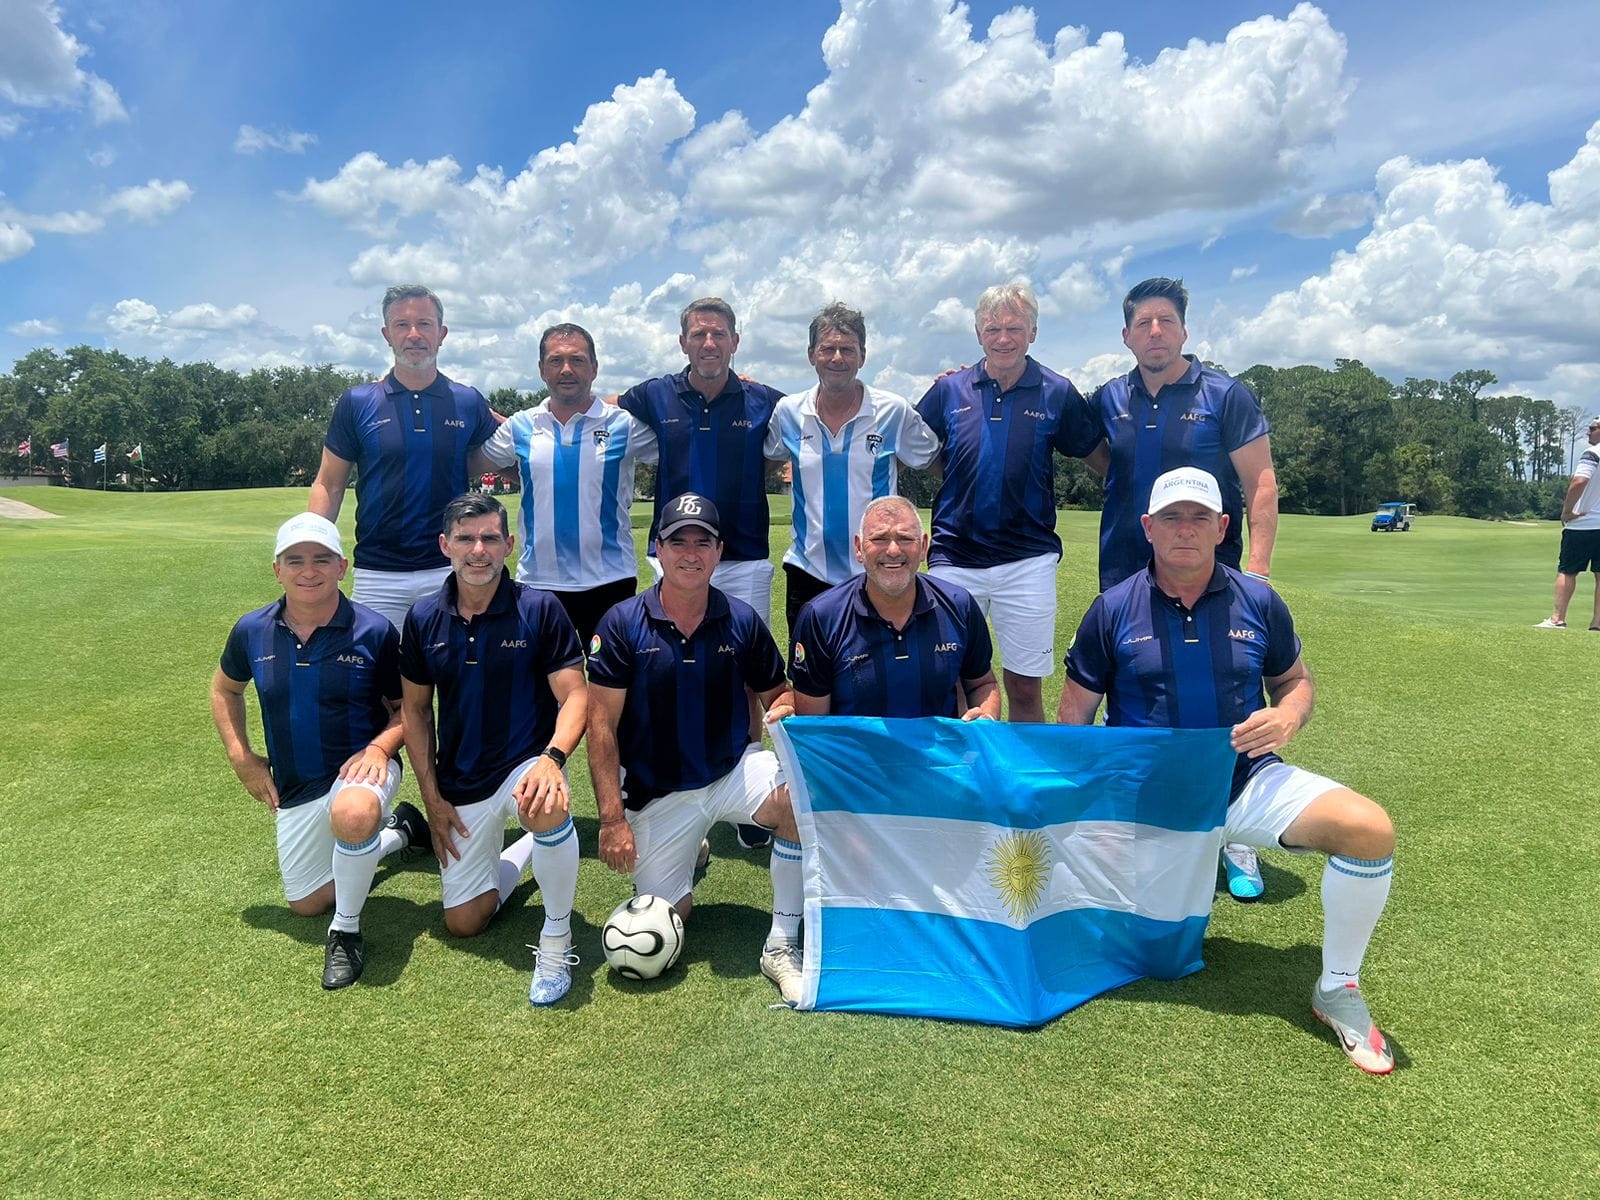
pixel 162 1031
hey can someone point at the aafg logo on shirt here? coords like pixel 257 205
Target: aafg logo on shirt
pixel 726 650
pixel 874 442
pixel 601 436
pixel 355 660
pixel 742 423
pixel 947 647
pixel 453 424
pixel 514 644
pixel 1036 414
pixel 1193 415
pixel 1242 635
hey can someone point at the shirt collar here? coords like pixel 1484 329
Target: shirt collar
pixel 686 390
pixel 439 387
pixel 1217 583
pixel 1136 380
pixel 1032 375
pixel 864 608
pixel 343 615
pixel 716 605
pixel 501 602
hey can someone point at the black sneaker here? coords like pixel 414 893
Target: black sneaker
pixel 753 837
pixel 413 824
pixel 342 961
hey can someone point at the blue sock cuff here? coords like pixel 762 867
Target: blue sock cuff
pixel 1362 868
pixel 782 848
pixel 554 837
pixel 341 847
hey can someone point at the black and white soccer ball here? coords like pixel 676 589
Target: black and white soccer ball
pixel 642 937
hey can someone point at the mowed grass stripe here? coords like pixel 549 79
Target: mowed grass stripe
pixel 164 1032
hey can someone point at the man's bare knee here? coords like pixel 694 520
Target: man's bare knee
pixel 356 815
pixel 314 905
pixel 777 814
pixel 470 919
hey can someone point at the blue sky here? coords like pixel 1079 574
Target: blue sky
pixel 238 183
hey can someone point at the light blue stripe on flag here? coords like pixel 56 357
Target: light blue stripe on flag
pixel 1000 873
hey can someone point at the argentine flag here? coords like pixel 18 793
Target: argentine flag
pixel 996 872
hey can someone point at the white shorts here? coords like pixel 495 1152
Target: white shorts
pixel 305 837
pixel 478 869
pixel 1019 598
pixel 393 592
pixel 668 831
pixel 1275 796
pixel 750 581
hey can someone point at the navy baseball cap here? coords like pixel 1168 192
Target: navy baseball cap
pixel 689 509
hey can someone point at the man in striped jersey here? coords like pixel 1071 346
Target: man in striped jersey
pixel 844 441
pixel 1190 643
pixel 576 456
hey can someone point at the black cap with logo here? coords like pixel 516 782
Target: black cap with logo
pixel 689 509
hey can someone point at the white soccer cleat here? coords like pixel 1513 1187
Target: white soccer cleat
pixel 1345 1012
pixel 782 964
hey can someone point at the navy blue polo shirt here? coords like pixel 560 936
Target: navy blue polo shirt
pixel 844 650
pixel 685 721
pixel 1161 665
pixel 410 450
pixel 997 503
pixel 321 700
pixel 492 675
pixel 713 450
pixel 1196 422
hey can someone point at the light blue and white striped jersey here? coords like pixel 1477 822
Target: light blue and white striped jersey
pixel 836 477
pixel 577 486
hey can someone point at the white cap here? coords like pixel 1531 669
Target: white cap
pixel 308 527
pixel 1185 483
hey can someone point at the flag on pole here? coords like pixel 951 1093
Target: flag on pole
pixel 24 447
pixel 100 453
pixel 1000 873
pixel 59 449
pixel 137 453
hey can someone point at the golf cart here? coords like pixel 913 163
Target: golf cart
pixel 1394 517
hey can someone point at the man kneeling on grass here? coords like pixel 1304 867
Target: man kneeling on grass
pixel 506 663
pixel 327 677
pixel 1190 643
pixel 670 749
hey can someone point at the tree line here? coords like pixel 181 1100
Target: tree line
pixel 1344 440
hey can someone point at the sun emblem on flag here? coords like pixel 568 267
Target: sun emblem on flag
pixel 1019 868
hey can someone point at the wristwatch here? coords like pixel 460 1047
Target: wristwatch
pixel 557 754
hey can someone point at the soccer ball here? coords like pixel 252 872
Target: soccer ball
pixel 643 937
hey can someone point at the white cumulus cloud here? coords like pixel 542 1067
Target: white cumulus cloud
pixel 39 64
pixel 1323 216
pixel 34 328
pixel 150 201
pixel 15 241
pixel 251 140
pixel 1457 272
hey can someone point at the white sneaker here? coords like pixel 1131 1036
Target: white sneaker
pixel 783 965
pixel 1551 623
pixel 553 961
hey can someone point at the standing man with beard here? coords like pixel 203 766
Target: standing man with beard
pixel 1173 411
pixel 408 436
